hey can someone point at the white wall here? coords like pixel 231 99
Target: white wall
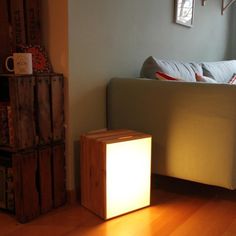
pixel 110 38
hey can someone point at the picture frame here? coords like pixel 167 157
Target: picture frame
pixel 184 12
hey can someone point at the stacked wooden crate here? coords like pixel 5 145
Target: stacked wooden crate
pixel 31 121
pixel 36 152
pixel 19 24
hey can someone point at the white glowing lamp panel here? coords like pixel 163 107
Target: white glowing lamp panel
pixel 128 170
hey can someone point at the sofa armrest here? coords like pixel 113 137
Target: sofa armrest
pixel 192 124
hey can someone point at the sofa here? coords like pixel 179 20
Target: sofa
pixel 193 124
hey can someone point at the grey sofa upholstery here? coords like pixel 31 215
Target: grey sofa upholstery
pixel 193 125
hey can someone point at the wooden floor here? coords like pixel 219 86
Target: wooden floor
pixel 178 208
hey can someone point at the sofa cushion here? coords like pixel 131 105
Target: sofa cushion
pixel 185 71
pixel 221 71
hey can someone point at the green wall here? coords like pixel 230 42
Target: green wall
pixel 111 38
pixel 232 53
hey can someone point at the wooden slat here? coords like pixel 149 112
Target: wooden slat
pixel 15 110
pixel 57 96
pixel 18 23
pixel 83 174
pixel 10 190
pixel 26 194
pixel 4 34
pixel 6 184
pixel 3 187
pixel 17 180
pixel 45 179
pixel 26 125
pixel 92 181
pixel 98 184
pixel 33 27
pixel 59 191
pixel 21 103
pixel 43 109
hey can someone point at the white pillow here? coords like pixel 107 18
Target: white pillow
pixel 202 78
pixel 172 68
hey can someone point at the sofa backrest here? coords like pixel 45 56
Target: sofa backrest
pixel 181 70
pixel 221 71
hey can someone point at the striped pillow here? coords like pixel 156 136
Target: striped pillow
pixel 232 80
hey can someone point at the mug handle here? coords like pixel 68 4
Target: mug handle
pixel 6 63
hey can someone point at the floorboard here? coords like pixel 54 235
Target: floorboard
pixel 177 208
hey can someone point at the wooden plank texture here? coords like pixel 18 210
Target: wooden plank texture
pixel 44 127
pixel 57 96
pixel 35 102
pixel 59 191
pixel 26 193
pixel 92 181
pixel 45 179
pixel 176 209
pixel 26 124
pixel 5 48
pixel 18 23
pixel 32 17
pixel 3 203
pixel 13 94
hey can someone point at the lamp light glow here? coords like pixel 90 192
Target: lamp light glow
pixel 115 172
pixel 128 167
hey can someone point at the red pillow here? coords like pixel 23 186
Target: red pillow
pixel 232 80
pixel 165 77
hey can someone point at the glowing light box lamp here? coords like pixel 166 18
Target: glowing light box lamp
pixel 115 172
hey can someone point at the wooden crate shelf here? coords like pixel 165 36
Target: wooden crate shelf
pixel 35 147
pixel 36 103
